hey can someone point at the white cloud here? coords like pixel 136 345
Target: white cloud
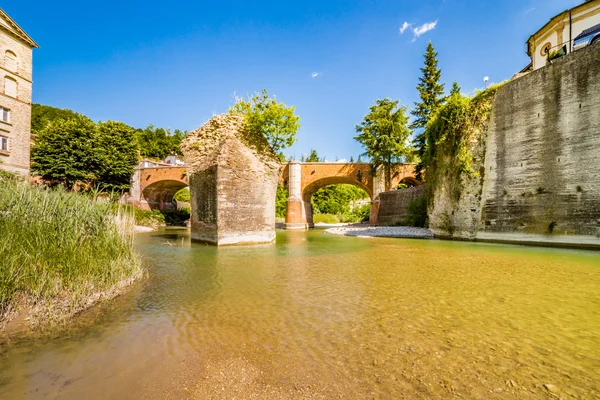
pixel 315 74
pixel 342 160
pixel 404 27
pixel 426 27
pixel 529 10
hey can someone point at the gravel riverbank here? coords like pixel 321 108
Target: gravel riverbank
pixel 382 231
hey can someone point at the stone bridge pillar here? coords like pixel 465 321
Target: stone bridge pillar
pixel 233 183
pixel 295 217
pixel 378 187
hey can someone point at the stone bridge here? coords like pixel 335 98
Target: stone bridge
pixel 154 187
pixel 303 179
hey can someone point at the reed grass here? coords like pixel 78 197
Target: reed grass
pixel 62 245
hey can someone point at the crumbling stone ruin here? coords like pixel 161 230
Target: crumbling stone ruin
pixel 233 176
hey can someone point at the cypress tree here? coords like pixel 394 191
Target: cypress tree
pixel 431 92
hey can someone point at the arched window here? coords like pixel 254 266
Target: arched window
pixel 10 86
pixel 10 61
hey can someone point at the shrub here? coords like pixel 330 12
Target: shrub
pixel 176 217
pixel 183 195
pixel 417 212
pixel 326 218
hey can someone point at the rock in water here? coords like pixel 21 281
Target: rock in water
pixel 233 177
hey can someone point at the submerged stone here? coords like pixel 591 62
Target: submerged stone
pixel 233 176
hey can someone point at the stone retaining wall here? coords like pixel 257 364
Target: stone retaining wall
pixel 392 205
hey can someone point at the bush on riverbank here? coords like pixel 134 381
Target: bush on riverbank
pixel 61 251
pixel 149 218
pixel 358 214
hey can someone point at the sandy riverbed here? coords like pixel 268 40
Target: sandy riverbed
pixel 382 231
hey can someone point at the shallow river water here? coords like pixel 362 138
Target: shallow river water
pixel 321 316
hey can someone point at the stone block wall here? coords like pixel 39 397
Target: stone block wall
pixel 392 205
pixel 542 162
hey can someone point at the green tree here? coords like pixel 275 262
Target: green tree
pixel 276 121
pixel 42 115
pixel 335 199
pixel 431 92
pixel 183 195
pixel 313 157
pixel 118 151
pixel 158 143
pixel 384 133
pixel 64 152
pixel 455 89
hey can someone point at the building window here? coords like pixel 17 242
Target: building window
pixel 10 61
pixel 3 143
pixel 10 86
pixel 4 114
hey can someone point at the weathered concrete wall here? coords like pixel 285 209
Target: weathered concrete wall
pixel 392 205
pixel 233 180
pixel 542 163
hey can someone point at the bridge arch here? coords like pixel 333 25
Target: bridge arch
pixel 313 187
pixel 153 188
pixel 159 195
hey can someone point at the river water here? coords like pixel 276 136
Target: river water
pixel 318 316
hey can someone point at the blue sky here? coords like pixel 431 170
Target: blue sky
pixel 176 64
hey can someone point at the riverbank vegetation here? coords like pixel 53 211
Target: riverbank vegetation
pixel 70 148
pixel 61 251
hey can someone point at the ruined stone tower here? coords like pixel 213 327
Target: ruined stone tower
pixel 233 177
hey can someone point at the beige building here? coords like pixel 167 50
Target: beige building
pixel 15 95
pixel 560 32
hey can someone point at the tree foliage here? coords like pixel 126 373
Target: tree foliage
pixel 64 151
pixel 336 199
pixel 158 143
pixel 118 153
pixel 431 93
pixel 276 121
pixel 455 89
pixel 183 195
pixel 42 115
pixel 152 142
pixel 313 157
pixel 76 150
pixel 281 201
pixel 450 134
pixel 384 133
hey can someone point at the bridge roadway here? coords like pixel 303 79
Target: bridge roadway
pixel 154 187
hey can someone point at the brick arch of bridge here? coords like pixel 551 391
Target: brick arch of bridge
pixel 304 179
pixel 153 188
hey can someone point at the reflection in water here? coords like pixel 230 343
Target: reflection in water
pixel 320 316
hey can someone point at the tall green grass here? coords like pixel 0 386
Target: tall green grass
pixel 56 244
